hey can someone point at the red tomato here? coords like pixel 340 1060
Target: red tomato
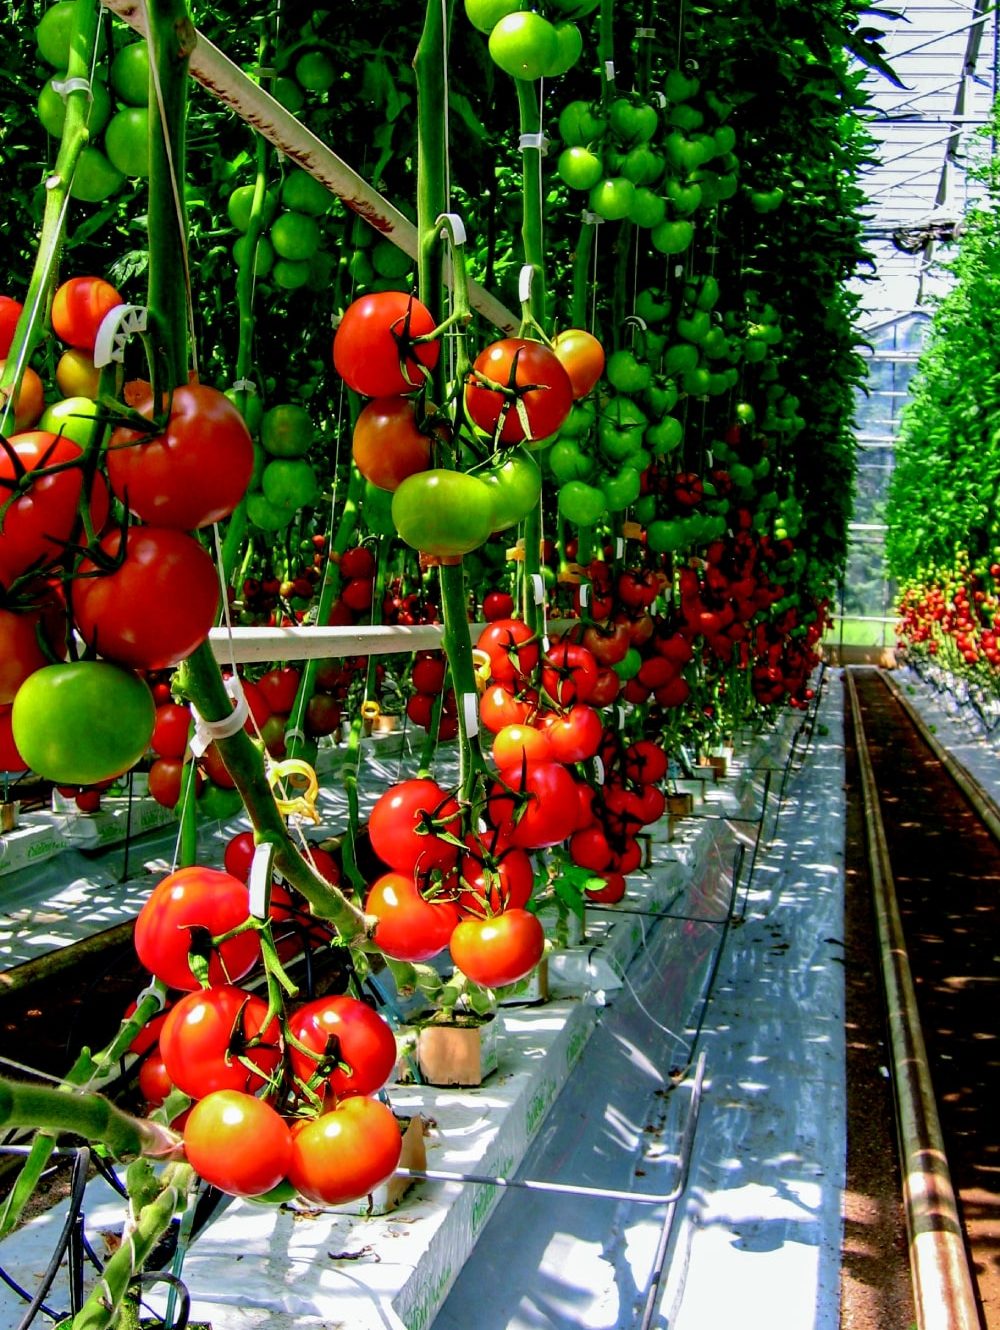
pixel 166 781
pixel 606 689
pixel 608 644
pixel 542 387
pixel 515 744
pixel 342 1030
pixel 215 768
pixel 238 855
pixel 10 758
pixel 491 890
pixel 500 706
pixel 208 1032
pixel 612 891
pixel 549 813
pixel 569 673
pixel 388 444
pixel 10 312
pixel 410 927
pixel 21 644
pixel 192 474
pixel 237 1143
pixel 156 606
pixel 373 350
pixel 346 1154
pixel 499 950
pixel 589 848
pixel 512 653
pixel 190 898
pixel 428 674
pixel 170 733
pixel 575 736
pixel 39 522
pixel 581 356
pixel 79 307
pixel 395 822
pixel 154 1083
pixel 279 687
pixel 497 605
pixel 150 1032
pixel 645 762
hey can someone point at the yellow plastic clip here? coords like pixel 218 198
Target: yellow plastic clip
pixel 370 709
pixel 299 775
pixel 516 552
pixel 484 668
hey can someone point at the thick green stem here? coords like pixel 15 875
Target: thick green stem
pixel 91 1116
pixel 606 51
pixel 579 311
pixel 432 169
pixel 458 649
pixel 74 139
pixel 101 1307
pixel 532 233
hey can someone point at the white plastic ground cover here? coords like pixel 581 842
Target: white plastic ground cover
pixel 255 1265
pixel 761 1238
pixel 956 728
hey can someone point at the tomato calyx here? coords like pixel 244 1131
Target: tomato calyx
pixel 513 394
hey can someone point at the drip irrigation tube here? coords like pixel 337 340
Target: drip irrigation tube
pixel 943 1291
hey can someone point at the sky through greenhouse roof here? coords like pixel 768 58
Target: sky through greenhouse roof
pixel 945 55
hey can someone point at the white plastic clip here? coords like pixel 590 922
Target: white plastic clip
pixel 619 547
pixel 609 70
pixel 599 770
pixel 205 731
pixel 645 34
pixel 455 229
pixel 246 386
pixel 470 710
pixel 261 876
pixel 524 281
pixel 295 733
pixel 538 588
pixel 116 328
pixel 538 141
pixel 584 595
pixel 661 99
pixel 621 715
pixel 65 86
pixel 591 218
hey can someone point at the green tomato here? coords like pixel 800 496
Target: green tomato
pixel 265 515
pixel 54 30
pixel 626 374
pixel 579 421
pixel 240 204
pixel 52 107
pixel 629 666
pixel 524 45
pixel 620 428
pixel 622 490
pixel 663 436
pixel 680 358
pixel 389 260
pixel 679 87
pixel 715 344
pixel 286 430
pixel 642 165
pixel 644 508
pixel 516 486
pixel 648 208
pixel 289 483
pixel 126 141
pixel 376 509
pixel 766 200
pixel 82 721
pixel 672 237
pixel 569 41
pixel 612 198
pixel 567 462
pixel 697 381
pixel 95 179
pixel 295 236
pixel 725 139
pixel 486 14
pixel 685 198
pixel 652 306
pixel 696 326
pixel 130 73
pixel 263 255
pixel 218 804
pixel 664 537
pixel 302 192
pixel 315 71
pixel 581 503
pixel 73 418
pixel 580 124
pixel 661 396
pixel 579 168
pixel 741 476
pixel 686 117
pixel 443 513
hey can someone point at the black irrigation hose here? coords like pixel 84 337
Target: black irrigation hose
pixel 36 1303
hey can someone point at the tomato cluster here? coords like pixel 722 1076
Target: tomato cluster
pixel 278 1096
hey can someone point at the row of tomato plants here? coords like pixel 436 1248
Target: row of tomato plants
pixel 688 464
